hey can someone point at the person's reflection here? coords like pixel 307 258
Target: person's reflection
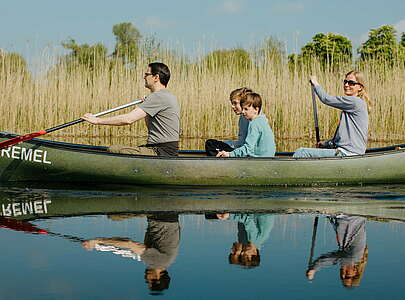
pixel 352 254
pixel 158 251
pixel 253 231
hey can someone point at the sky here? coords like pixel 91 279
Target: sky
pixel 33 28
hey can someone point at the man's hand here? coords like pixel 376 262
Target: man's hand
pixel 90 118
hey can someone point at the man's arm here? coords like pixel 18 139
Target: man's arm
pixel 120 120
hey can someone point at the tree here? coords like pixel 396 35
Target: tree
pixel 127 38
pixel 381 44
pixel 331 49
pixel 86 55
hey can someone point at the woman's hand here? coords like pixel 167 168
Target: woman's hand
pixel 313 80
pixel 223 154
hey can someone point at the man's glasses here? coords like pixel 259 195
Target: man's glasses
pixel 147 74
pixel 351 82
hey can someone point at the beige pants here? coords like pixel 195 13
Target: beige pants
pixel 131 150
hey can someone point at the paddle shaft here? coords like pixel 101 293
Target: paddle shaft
pixel 311 254
pixel 23 138
pixel 315 111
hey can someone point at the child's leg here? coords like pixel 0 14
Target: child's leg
pixel 212 146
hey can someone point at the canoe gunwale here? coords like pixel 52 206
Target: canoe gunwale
pixel 102 150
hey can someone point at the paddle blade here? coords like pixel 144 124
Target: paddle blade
pixel 20 225
pixel 20 139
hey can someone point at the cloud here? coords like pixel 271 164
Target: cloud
pixel 287 8
pixel 230 7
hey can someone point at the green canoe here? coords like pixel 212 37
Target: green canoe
pixel 49 161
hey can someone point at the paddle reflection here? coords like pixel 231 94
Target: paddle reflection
pixel 253 231
pixel 352 253
pixel 158 250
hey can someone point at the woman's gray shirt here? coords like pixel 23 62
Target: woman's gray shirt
pixel 351 136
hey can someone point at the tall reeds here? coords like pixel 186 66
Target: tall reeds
pixel 65 93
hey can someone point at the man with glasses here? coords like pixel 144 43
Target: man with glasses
pixel 162 113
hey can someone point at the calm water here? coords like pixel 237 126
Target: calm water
pixel 202 243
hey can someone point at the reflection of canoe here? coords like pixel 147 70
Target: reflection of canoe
pixel 28 204
pixel 41 160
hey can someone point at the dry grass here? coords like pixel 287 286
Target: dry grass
pixel 203 93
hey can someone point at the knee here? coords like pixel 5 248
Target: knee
pixel 301 152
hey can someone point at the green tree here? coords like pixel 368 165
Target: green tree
pixel 331 49
pixel 236 59
pixel 89 56
pixel 127 42
pixel 381 44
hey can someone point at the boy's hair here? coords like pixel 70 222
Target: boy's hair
pixel 158 68
pixel 239 93
pixel 252 99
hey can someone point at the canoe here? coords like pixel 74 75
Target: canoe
pixel 48 201
pixel 50 161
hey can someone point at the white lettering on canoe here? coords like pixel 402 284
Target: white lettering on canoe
pixel 16 209
pixel 38 155
pixel 5 152
pixel 21 153
pixel 26 154
pixel 15 152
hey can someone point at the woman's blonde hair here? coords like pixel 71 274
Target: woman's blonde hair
pixel 239 93
pixel 363 93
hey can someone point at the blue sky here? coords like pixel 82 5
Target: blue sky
pixel 28 27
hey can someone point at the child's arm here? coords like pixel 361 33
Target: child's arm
pixel 248 148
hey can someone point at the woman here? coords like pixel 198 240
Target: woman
pixel 351 135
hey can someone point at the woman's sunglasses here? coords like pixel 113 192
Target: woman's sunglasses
pixel 351 82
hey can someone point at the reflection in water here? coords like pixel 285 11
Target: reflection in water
pixel 261 227
pixel 158 251
pixel 253 231
pixel 352 254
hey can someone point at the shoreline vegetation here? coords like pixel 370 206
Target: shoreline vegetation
pixel 70 89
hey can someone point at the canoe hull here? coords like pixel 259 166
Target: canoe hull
pixel 40 160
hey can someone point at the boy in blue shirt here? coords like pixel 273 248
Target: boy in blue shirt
pixel 259 141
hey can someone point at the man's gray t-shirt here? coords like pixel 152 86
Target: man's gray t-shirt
pixel 163 117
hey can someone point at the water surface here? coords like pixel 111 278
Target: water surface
pixel 181 243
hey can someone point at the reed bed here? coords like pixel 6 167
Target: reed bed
pixel 64 93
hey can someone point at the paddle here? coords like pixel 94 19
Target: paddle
pixel 311 254
pixel 23 138
pixel 315 111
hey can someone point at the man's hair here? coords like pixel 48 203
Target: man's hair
pixel 252 99
pixel 158 285
pixel 158 68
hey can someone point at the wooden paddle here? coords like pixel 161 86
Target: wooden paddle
pixel 315 111
pixel 23 138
